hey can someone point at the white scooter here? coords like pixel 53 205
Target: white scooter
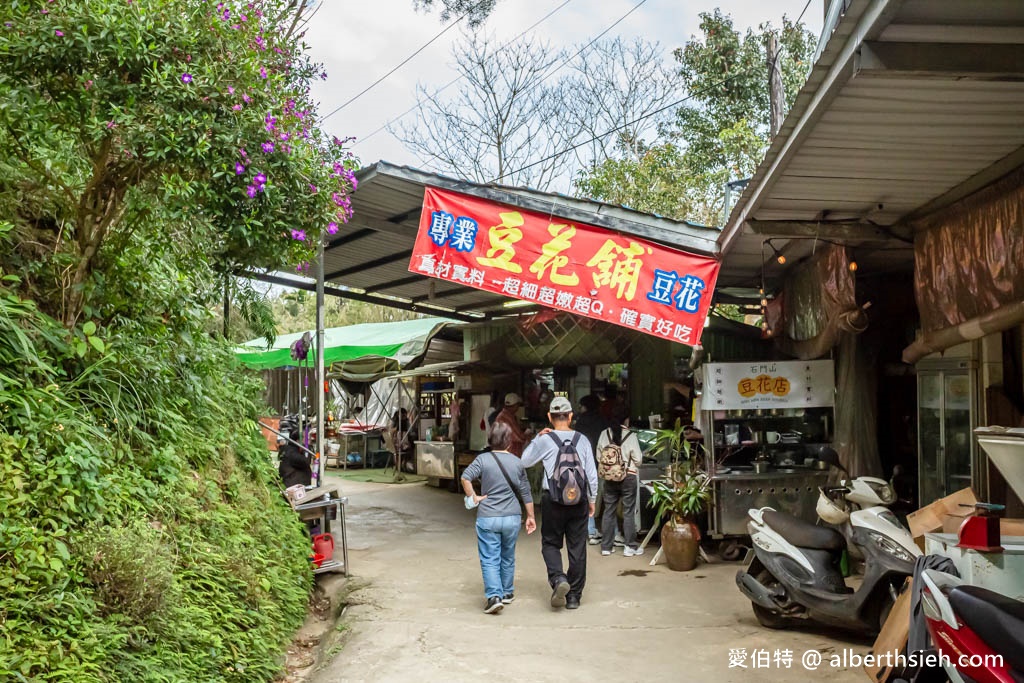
pixel 795 573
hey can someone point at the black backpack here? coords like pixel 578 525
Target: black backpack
pixel 568 482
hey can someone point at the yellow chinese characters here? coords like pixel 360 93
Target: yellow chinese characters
pixel 618 267
pixel 763 384
pixel 502 237
pixel 552 256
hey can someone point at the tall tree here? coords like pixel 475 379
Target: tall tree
pixel 514 122
pixel 502 118
pixel 720 134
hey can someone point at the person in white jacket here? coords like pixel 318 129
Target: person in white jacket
pixel 626 491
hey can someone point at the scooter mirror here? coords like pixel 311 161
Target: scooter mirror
pixel 829 455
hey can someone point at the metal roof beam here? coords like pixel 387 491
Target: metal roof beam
pixel 349 238
pixel 843 231
pixel 447 293
pixel 394 284
pixel 947 61
pixel 382 261
pixel 425 309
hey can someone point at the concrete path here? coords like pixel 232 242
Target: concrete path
pixel 419 616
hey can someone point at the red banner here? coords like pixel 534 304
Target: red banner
pixel 564 265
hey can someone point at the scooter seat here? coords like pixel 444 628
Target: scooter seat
pixel 804 534
pixel 997 619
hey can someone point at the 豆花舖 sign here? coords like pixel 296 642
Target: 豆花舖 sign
pixel 782 384
pixel 565 265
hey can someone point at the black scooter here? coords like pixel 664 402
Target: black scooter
pixel 795 573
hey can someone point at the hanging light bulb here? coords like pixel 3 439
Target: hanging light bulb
pixel 853 266
pixel 778 255
pixel 764 303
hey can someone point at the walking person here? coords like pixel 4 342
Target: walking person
pixel 591 423
pixel 570 489
pixel 504 498
pixel 625 490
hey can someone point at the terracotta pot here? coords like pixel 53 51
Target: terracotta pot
pixel 680 540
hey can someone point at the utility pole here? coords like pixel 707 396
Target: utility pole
pixel 776 96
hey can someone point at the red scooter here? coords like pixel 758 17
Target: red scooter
pixel 978 633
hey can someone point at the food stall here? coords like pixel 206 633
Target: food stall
pixel 764 424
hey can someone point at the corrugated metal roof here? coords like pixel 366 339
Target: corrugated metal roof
pixel 910 106
pixel 372 252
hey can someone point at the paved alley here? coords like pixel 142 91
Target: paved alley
pixel 418 616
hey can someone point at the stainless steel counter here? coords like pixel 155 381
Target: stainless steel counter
pixel 792 490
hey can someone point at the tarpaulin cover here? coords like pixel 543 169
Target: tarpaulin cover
pixel 818 291
pixel 402 340
pixel 582 269
pixel 969 258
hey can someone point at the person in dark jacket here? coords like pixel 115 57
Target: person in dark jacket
pixel 591 424
pixel 294 462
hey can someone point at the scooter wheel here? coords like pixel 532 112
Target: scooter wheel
pixel 765 617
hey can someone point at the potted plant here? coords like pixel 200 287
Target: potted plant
pixel 679 502
pixel 672 441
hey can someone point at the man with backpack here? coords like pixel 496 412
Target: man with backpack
pixel 570 491
pixel 618 461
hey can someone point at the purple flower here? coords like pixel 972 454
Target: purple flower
pixel 299 235
pixel 268 147
pixel 312 188
pixel 244 18
pixel 186 78
pixel 263 72
pixel 251 191
pixel 242 153
pixel 246 99
pixel 260 179
pixel 110 124
pixel 284 136
pixel 231 90
pixel 239 168
pixel 260 43
pixel 332 228
pixel 59 33
pixel 237 107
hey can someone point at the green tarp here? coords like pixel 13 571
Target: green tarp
pixel 403 341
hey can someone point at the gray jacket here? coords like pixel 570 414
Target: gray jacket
pixel 500 501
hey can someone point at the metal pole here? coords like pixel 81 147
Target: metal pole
pixel 320 375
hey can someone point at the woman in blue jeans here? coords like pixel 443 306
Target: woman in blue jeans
pixel 499 514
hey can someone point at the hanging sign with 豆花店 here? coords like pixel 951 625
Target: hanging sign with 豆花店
pixel 564 265
pixel 770 384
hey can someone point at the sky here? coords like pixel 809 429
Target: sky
pixel 358 41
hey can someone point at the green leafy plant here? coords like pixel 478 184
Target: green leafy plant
pixel 672 441
pixel 683 499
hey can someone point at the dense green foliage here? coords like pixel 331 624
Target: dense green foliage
pixel 143 536
pixel 720 134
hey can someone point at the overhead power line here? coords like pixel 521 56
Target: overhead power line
pixel 403 62
pixel 460 77
pixel 592 41
pixel 608 132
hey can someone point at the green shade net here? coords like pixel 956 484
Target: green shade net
pixel 403 341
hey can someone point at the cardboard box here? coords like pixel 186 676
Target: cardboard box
pixel 933 517
pixel 892 637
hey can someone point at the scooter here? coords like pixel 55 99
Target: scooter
pixel 795 573
pixel 978 633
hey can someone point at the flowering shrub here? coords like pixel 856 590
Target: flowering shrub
pixel 197 114
pixel 148 148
